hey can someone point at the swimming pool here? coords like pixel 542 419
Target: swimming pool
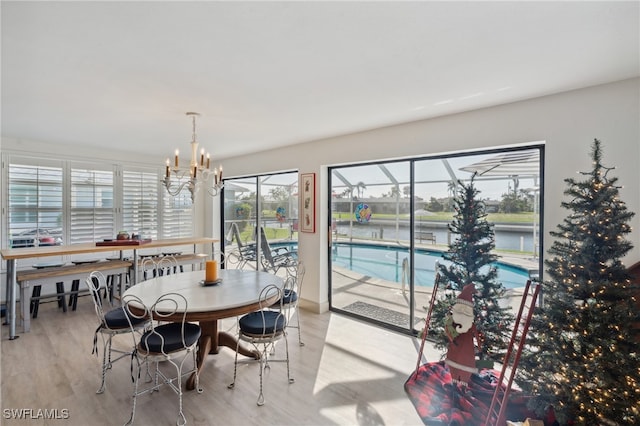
pixel 385 262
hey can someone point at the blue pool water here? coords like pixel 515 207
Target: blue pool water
pixel 385 262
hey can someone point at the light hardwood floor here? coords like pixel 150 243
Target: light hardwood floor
pixel 349 373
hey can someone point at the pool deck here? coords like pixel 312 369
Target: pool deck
pixel 389 301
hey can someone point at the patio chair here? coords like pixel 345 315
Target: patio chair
pixel 274 259
pixel 242 253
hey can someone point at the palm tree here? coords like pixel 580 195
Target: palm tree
pixel 361 187
pixel 451 190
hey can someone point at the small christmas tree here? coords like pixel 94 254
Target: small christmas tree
pixel 582 355
pixel 470 260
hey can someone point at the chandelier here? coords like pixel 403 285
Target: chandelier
pixel 177 178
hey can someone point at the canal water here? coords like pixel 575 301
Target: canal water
pixel 507 237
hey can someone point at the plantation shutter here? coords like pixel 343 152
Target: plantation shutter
pixel 92 214
pixel 140 203
pixel 35 201
pixel 177 216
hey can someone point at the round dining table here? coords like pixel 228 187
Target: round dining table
pixel 237 293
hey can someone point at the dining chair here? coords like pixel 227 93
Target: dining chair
pixel 291 296
pixel 167 265
pixel 152 267
pixel 147 267
pixel 170 340
pixel 113 321
pixel 227 261
pixel 261 329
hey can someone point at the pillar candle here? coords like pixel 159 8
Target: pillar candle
pixel 211 271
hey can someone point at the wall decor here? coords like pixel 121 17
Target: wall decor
pixel 308 202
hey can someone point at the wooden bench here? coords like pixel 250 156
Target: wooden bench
pixel 196 259
pixel 426 236
pixel 76 273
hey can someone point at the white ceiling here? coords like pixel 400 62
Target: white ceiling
pixel 267 74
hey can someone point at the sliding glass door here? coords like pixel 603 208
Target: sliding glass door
pixel 267 202
pixel 390 227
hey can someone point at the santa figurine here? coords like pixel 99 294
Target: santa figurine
pixel 461 330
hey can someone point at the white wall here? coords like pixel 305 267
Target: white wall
pixel 568 122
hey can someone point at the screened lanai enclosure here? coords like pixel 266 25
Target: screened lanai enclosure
pixel 389 223
pixel 265 203
pixel 390 226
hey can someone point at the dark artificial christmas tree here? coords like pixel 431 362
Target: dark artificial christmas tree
pixel 582 353
pixel 470 260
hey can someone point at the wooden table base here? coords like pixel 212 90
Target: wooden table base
pixel 210 342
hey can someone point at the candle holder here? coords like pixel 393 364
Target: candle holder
pixel 177 179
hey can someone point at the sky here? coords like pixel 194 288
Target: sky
pixel 436 174
pixel 432 175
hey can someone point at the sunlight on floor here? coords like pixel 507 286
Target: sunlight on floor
pixel 372 395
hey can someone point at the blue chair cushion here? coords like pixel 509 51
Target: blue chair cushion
pixel 117 318
pixel 289 296
pixel 171 333
pixel 252 323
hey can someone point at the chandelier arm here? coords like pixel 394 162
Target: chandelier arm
pixel 174 189
pixel 196 175
pixel 215 189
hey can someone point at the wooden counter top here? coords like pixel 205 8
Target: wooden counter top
pixel 29 252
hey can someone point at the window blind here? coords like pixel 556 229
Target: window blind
pixel 35 204
pixel 140 202
pixel 92 214
pixel 78 203
pixel 177 216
